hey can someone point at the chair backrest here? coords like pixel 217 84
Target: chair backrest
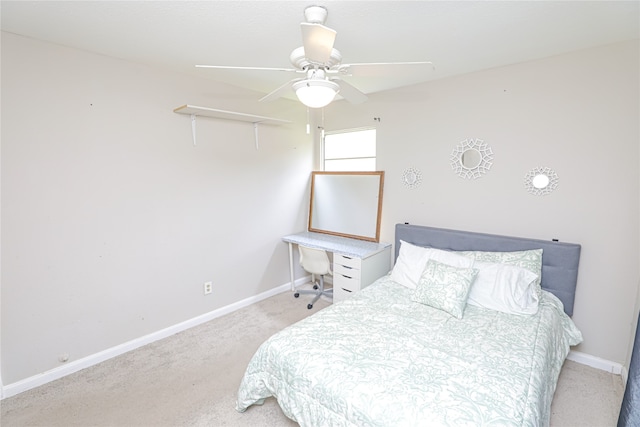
pixel 314 261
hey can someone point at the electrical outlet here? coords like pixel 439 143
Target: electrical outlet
pixel 208 288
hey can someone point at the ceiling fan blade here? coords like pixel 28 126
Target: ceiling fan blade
pixel 277 93
pixel 376 69
pixel 225 67
pixel 350 92
pixel 317 41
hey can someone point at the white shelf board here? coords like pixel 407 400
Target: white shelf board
pixel 228 115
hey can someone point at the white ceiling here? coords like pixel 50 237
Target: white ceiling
pixel 458 36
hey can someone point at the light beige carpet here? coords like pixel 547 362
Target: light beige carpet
pixel 191 379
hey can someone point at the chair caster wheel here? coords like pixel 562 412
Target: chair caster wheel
pixel 296 295
pixel 315 287
pixel 310 306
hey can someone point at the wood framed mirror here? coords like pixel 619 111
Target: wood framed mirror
pixel 347 204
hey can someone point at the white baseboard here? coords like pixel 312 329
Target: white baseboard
pixel 86 362
pixel 596 362
pixel 77 365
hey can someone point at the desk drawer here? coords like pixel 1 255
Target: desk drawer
pixel 347 261
pixel 346 271
pixel 348 283
pixel 340 294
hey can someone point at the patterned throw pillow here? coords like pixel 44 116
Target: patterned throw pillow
pixel 445 287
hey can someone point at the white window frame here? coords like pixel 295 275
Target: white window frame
pixel 345 131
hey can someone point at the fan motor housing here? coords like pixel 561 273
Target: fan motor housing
pixel 315 14
pixel 300 61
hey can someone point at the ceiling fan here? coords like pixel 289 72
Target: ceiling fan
pixel 321 65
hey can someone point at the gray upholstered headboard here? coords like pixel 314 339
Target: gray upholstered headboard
pixel 559 260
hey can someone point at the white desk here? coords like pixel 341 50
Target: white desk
pixel 356 263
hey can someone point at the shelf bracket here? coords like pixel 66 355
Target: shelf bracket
pixel 255 133
pixel 193 128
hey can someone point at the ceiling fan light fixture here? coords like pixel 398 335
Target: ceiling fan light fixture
pixel 316 93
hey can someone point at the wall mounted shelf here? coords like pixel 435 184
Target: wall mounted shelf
pixel 194 111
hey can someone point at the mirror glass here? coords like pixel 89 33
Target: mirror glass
pixel 540 181
pixel 346 204
pixel 410 178
pixel 471 158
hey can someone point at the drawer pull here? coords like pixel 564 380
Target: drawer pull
pixel 346 290
pixel 348 277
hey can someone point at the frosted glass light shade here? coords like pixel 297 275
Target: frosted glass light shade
pixel 316 93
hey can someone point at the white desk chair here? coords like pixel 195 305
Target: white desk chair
pixel 316 262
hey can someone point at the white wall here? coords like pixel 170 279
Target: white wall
pixel 577 114
pixel 112 220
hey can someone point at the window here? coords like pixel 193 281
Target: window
pixel 350 150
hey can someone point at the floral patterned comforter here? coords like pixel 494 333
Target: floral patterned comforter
pixel 379 359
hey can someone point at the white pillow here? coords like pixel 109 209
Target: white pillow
pixel 504 288
pixel 530 259
pixel 412 260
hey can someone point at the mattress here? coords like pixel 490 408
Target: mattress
pixel 380 359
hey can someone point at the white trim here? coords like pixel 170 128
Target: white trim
pixel 86 362
pixel 77 365
pixel 625 374
pixel 596 362
pixel 359 129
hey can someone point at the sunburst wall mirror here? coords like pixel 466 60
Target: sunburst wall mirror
pixel 541 181
pixel 411 178
pixel 471 158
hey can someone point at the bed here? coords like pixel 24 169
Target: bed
pixel 397 355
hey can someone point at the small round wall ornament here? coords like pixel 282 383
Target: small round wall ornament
pixel 541 181
pixel 411 178
pixel 471 158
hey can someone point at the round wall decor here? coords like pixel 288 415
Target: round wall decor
pixel 471 158
pixel 411 178
pixel 541 181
